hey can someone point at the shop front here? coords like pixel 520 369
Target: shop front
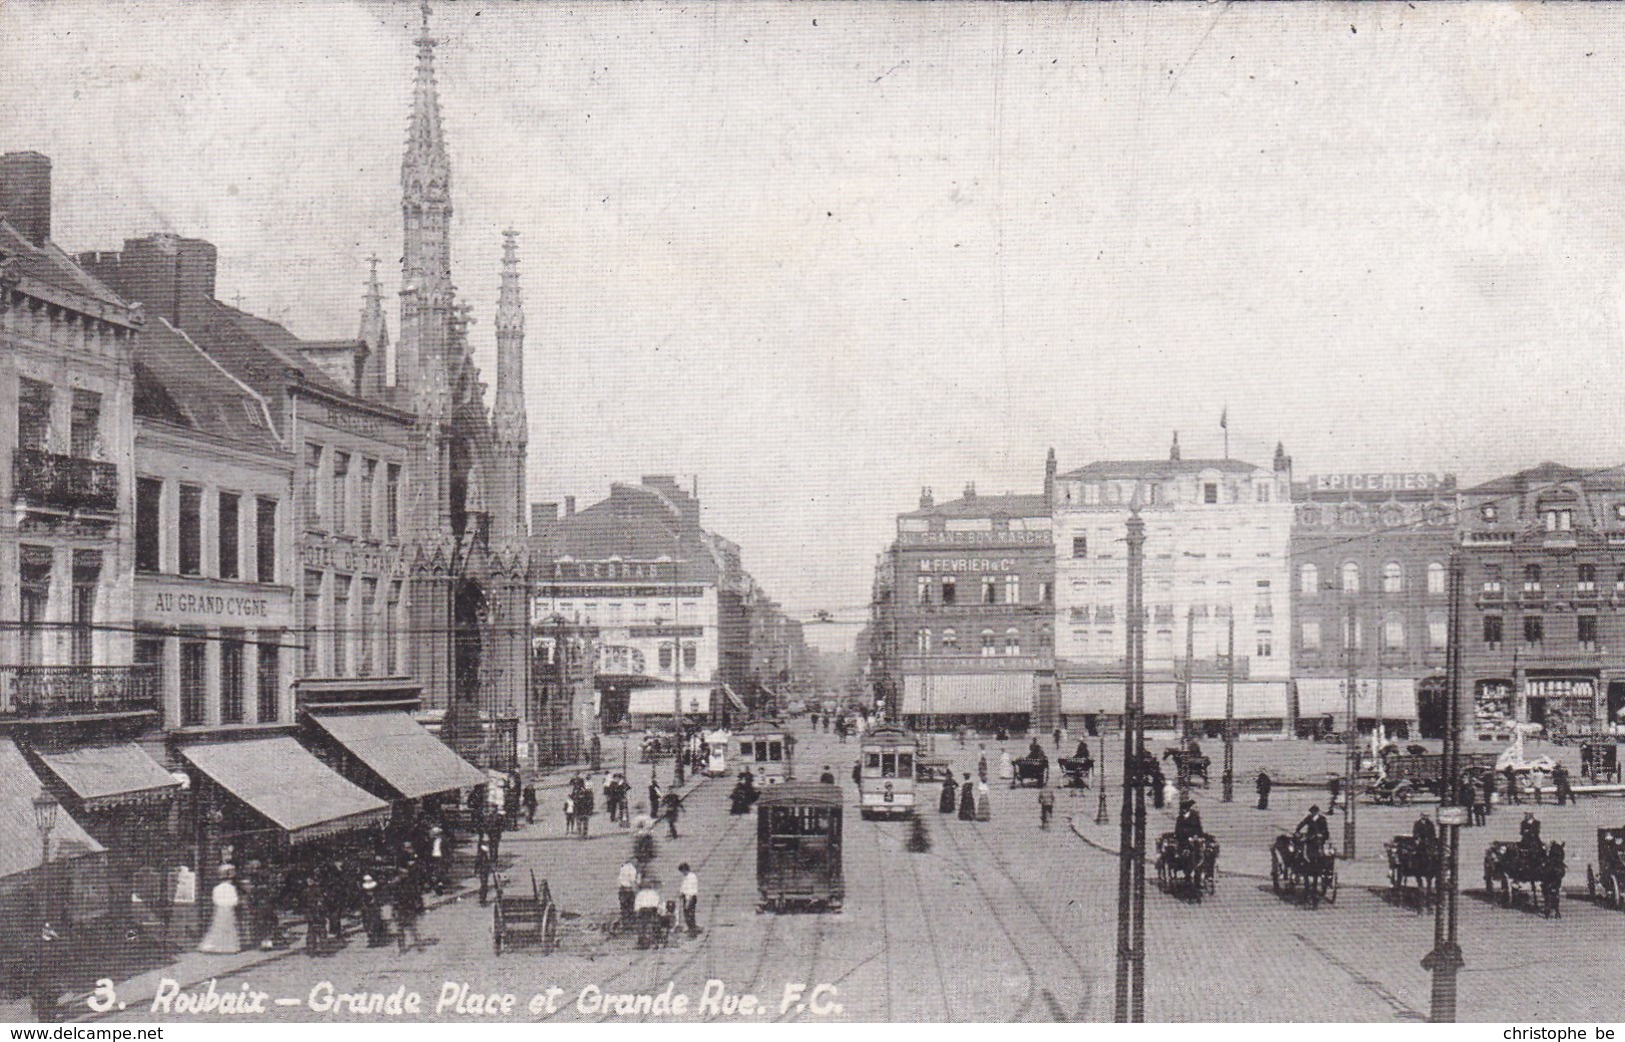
pixel 988 701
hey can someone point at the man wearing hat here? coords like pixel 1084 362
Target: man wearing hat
pixel 1313 826
pixel 1188 823
pixel 372 916
pixel 1529 834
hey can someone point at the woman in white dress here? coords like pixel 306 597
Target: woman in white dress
pixel 1007 767
pixel 223 937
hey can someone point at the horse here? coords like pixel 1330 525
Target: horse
pixel 1515 866
pixel 1188 864
pixel 1411 858
pixel 1305 861
pixel 1188 764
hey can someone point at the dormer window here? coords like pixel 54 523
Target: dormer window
pixel 1488 513
pixel 1210 492
pixel 1619 511
pixel 1557 519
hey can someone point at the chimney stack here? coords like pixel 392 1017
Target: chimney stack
pixel 970 490
pixel 926 499
pixel 1049 480
pixel 25 194
pixel 569 506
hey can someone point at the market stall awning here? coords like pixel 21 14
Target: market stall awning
pixel 20 846
pixel 279 779
pixel 1107 696
pixel 1318 696
pixel 738 703
pixel 937 694
pixel 657 701
pixel 111 775
pixel 412 762
pixel 1255 700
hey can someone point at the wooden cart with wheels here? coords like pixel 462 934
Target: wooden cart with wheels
pixel 1606 880
pixel 525 920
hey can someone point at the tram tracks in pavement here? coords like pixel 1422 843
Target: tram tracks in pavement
pixel 1027 966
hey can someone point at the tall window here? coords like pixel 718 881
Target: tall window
pixel 194 680
pixel 1264 608
pixel 1080 546
pixel 87 577
pixel 1393 577
pixel 665 656
pixel 1492 630
pixel 34 599
pixel 1012 641
pixel 949 589
pixel 1046 637
pixel 1309 635
pixel 34 415
pixel 1210 493
pixel 1438 632
pixel 231 676
pixel 990 590
pixel 392 500
pixel 1046 592
pixel 149 524
pixel 369 475
pixel 922 642
pixel 341 625
pixel 369 623
pixel 922 589
pixel 1531 578
pixel 313 611
pixel 990 644
pixel 1492 578
pixel 341 492
pixel 1586 578
pixel 149 652
pixel 1393 634
pixel 1309 580
pixel 1266 644
pixel 1586 630
pixel 265 540
pixel 313 485
pixel 191 530
pixel 691 656
pixel 269 683
pixel 1558 519
pixel 85 425
pixel 1263 493
pixel 1435 578
pixel 227 534
pixel 950 640
pixel 1534 629
pixel 392 625
pixel 1012 589
pixel 1351 578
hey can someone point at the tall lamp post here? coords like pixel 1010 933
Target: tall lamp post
pixel 45 808
pixel 1130 985
pixel 1445 960
pixel 1351 762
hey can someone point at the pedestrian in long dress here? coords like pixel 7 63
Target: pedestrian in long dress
pixel 984 806
pixel 528 800
pixel 223 937
pixel 485 868
pixel 674 807
pixel 569 813
pixel 981 765
pixel 950 796
pixel 967 800
pixel 1007 769
pixel 408 909
pixel 372 913
pixel 1046 806
pixel 1263 785
pixel 1488 783
pixel 181 931
pixel 584 812
pixel 654 798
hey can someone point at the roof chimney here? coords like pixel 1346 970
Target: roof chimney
pixel 1049 480
pixel 25 194
pixel 569 506
pixel 1173 452
pixel 970 490
pixel 925 499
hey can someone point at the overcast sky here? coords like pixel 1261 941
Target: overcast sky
pixel 821 255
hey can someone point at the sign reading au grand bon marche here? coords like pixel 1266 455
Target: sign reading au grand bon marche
pixel 204 602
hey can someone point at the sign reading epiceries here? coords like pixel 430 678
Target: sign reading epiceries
pixel 1419 481
pixel 206 603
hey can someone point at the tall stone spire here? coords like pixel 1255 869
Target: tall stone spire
pixel 510 425
pixel 426 291
pixel 375 334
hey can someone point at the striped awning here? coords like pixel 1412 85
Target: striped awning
pixel 939 694
pixel 20 845
pixel 657 701
pixel 1108 696
pixel 1255 700
pixel 409 760
pixel 104 776
pixel 279 779
pixel 1318 696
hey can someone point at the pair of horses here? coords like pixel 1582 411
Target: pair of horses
pixel 1305 865
pixel 1414 858
pixel 1188 864
pixel 1516 866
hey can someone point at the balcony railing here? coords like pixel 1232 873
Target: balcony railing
pixel 46 479
pixel 45 691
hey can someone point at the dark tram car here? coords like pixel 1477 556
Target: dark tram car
pixel 798 846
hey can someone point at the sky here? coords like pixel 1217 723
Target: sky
pixel 819 256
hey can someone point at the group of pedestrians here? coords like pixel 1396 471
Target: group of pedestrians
pixel 642 907
pixel 578 808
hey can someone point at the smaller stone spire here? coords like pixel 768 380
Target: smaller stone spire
pixel 1049 480
pixel 1173 452
pixel 375 334
pixel 512 427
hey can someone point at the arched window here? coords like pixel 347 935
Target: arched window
pixel 1393 633
pixel 990 644
pixel 1046 637
pixel 1012 641
pixel 1435 578
pixel 950 640
pixel 1309 580
pixel 1393 577
pixel 1351 578
pixel 922 641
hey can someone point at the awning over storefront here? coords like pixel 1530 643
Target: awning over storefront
pixel 1255 700
pixel 1318 696
pixel 657 701
pixel 20 846
pixel 280 780
pixel 412 762
pixel 738 703
pixel 104 776
pixel 938 694
pixel 1106 696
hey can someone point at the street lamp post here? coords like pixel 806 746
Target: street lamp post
pixel 1130 984
pixel 1230 711
pixel 1445 960
pixel 1351 761
pixel 45 809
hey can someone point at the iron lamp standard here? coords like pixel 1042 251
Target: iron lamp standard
pixel 45 810
pixel 1445 960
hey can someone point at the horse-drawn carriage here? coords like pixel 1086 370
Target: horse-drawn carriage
pixel 1029 770
pixel 1189 763
pixel 1187 864
pixel 1305 866
pixel 1608 875
pixel 1076 770
pixel 1413 858
pixel 1401 777
pixel 516 918
pixel 1538 867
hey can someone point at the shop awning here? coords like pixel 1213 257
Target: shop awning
pixel 111 775
pixel 738 703
pixel 412 762
pixel 938 694
pixel 1107 696
pixel 280 780
pixel 1255 700
pixel 20 845
pixel 657 701
pixel 1318 696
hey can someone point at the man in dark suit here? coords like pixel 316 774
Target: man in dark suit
pixel 1313 826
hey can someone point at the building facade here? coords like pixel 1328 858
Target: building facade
pixel 1218 539
pixel 1543 639
pixel 1370 565
pixel 973 611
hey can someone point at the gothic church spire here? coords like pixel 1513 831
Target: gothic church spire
pixel 509 417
